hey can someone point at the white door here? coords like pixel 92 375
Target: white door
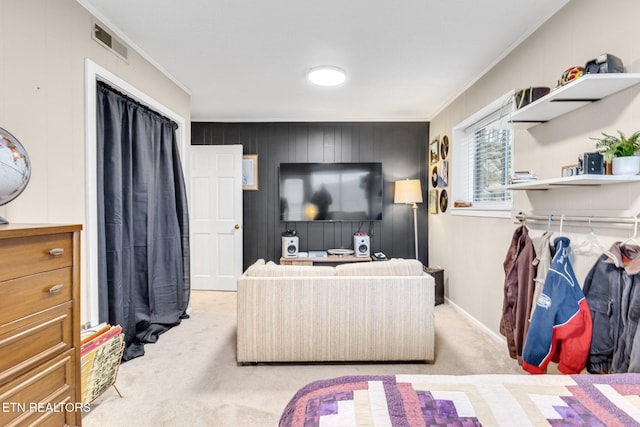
pixel 216 216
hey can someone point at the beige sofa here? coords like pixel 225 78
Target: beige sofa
pixel 367 311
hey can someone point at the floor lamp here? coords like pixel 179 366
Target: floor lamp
pixel 409 191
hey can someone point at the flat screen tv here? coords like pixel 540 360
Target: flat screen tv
pixel 330 191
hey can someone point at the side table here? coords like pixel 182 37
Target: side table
pixel 438 275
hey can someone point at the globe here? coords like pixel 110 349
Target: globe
pixel 15 169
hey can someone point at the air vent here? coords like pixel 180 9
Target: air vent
pixel 104 38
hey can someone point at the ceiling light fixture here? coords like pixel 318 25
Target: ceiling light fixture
pixel 327 75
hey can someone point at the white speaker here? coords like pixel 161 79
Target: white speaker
pixel 290 246
pixel 361 246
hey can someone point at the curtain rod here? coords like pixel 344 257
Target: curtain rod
pixel 522 217
pixel 145 107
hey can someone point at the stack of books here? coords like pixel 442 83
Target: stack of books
pixel 522 176
pixel 101 350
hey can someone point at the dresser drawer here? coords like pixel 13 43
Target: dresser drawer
pixel 35 254
pixel 32 294
pixel 26 343
pixel 49 383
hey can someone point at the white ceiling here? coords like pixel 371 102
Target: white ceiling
pixel 246 60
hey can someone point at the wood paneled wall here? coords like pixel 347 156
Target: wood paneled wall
pixel 400 146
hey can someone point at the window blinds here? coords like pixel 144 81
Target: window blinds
pixel 486 162
pixel 491 164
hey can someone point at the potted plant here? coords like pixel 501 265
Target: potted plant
pixel 620 151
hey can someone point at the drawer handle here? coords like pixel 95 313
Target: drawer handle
pixel 56 251
pixel 56 288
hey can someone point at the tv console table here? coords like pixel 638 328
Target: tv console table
pixel 328 260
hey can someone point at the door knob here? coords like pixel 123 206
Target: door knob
pixel 237 226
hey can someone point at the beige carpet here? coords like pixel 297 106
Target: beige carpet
pixel 190 376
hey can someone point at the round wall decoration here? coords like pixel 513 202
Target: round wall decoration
pixel 444 201
pixel 434 176
pixel 444 147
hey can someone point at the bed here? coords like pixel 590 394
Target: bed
pixel 467 400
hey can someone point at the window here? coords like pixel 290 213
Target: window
pixel 482 160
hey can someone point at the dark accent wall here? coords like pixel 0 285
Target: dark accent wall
pixel 400 147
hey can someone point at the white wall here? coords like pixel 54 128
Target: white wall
pixel 472 250
pixel 43 46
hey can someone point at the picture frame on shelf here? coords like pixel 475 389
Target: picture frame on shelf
pixel 570 170
pixel 250 172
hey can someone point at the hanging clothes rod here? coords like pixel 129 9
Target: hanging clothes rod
pixel 522 217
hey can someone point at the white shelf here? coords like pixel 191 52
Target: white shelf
pixel 578 93
pixel 569 181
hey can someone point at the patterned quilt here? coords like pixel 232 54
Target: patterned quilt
pixel 468 400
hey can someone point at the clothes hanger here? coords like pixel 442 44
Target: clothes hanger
pixel 523 221
pixel 549 224
pixel 591 245
pixel 561 224
pixel 632 240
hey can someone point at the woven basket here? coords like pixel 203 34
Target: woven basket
pixel 100 367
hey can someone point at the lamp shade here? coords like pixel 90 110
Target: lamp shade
pixel 408 191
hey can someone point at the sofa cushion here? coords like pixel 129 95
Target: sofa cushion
pixel 253 267
pixel 272 269
pixel 393 267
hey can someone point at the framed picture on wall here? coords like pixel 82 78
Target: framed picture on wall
pixel 433 201
pixel 250 172
pixel 434 151
pixel 442 179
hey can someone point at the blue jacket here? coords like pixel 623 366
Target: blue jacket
pixel 561 328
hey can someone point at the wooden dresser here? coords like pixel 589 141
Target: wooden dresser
pixel 40 325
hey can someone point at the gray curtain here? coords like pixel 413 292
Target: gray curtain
pixel 143 229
